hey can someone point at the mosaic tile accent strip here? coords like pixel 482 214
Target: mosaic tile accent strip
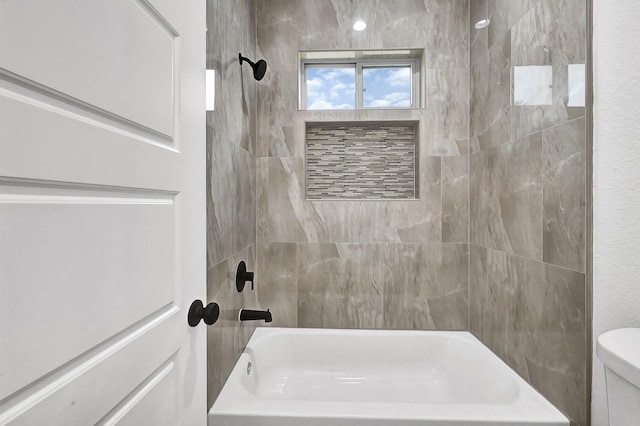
pixel 361 160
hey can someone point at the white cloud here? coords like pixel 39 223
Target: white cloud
pixel 393 100
pixel 314 83
pixel 337 90
pixel 400 77
pixel 372 75
pixel 380 103
pixel 323 104
pixel 315 88
pixel 397 96
pixel 336 73
pixel 403 104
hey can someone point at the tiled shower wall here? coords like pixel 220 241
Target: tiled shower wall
pixel 364 264
pixel 407 264
pixel 231 164
pixel 527 205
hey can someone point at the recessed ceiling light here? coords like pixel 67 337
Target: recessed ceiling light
pixel 359 25
pixel 483 23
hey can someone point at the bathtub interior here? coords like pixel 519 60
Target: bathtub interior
pixel 366 367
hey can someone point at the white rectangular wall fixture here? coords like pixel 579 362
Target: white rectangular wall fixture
pixel 533 85
pixel 576 73
pixel 211 90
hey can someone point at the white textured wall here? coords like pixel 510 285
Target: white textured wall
pixel 616 171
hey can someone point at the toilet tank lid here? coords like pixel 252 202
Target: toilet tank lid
pixel 619 350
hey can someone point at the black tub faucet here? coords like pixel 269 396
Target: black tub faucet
pixel 250 315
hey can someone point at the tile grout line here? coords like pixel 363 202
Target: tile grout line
pixel 529 258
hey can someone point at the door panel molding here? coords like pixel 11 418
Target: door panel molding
pixel 79 257
pixel 123 51
pixel 129 407
pixel 78 384
pixel 33 93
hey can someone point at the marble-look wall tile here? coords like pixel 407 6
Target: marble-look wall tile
pixel 231 197
pixel 286 26
pixel 490 103
pixel 283 23
pixel 479 9
pixel 446 118
pixel 231 182
pixel 390 221
pixel 262 199
pixel 380 285
pixel 227 338
pixel 564 165
pixel 506 198
pixel 341 244
pixel 425 285
pixel 533 316
pixel 277 101
pixel 231 29
pixel 245 195
pixel 455 199
pixel 337 287
pixel 277 284
pixel 551 34
pixel 221 203
pixel 504 14
pixel 284 215
pixel 557 362
pixel 447 34
pixel 527 197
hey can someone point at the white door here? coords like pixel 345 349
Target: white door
pixel 102 212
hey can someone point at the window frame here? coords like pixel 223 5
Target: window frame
pixel 358 65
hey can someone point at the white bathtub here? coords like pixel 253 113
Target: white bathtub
pixel 320 377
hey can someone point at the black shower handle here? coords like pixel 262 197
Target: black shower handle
pixel 242 276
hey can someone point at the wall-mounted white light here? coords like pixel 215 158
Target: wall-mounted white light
pixel 210 90
pixel 359 25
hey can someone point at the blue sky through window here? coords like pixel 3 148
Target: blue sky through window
pixel 386 87
pixel 334 87
pixel 331 88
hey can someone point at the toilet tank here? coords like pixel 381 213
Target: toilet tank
pixel 619 350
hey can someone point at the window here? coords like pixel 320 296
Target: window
pixel 384 79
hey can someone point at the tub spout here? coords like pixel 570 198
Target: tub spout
pixel 249 315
